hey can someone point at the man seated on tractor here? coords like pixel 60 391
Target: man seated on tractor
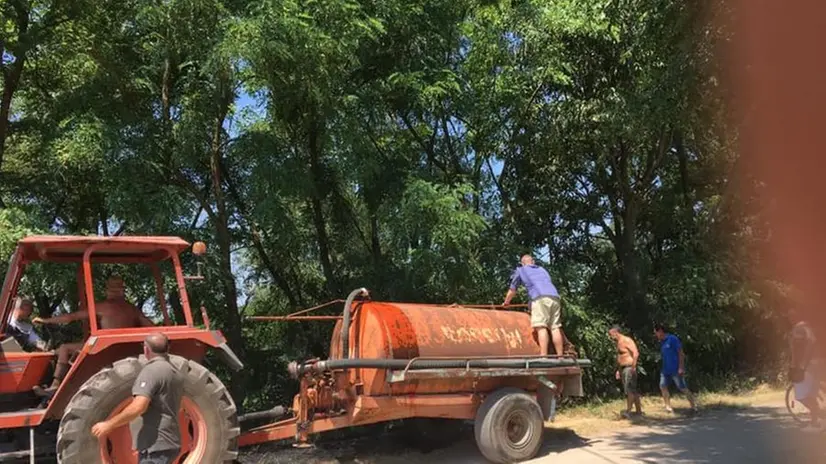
pixel 114 313
pixel 21 329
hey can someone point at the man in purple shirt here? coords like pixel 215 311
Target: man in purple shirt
pixel 544 302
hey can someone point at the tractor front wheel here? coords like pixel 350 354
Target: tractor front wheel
pixel 208 419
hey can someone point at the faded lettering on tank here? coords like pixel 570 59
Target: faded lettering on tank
pixel 463 335
pixel 474 334
pixel 488 334
pixel 513 338
pixel 448 333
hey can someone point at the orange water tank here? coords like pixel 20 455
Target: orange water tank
pixel 405 331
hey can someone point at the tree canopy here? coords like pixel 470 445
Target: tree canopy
pixel 415 148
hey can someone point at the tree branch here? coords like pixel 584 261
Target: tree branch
pixel 431 156
pixel 653 160
pixel 496 181
pixel 194 221
pixel 179 180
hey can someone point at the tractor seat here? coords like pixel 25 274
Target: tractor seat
pixel 9 344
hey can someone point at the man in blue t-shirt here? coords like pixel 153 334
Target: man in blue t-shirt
pixel 673 367
pixel 546 310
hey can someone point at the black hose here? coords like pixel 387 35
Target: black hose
pixel 503 363
pixel 345 325
pixel 274 413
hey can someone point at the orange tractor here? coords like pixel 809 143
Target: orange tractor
pixel 99 380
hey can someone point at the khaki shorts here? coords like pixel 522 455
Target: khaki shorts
pixel 546 312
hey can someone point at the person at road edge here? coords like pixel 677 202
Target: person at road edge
pixel 805 369
pixel 627 356
pixel 673 367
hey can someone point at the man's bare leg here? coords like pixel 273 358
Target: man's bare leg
pixel 637 403
pixel 556 335
pixel 64 353
pixel 629 401
pixel 542 337
pixel 690 397
pixel 666 397
pixel 814 409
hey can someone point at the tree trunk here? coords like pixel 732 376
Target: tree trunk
pixel 46 305
pixel 634 291
pixel 166 89
pixel 258 240
pixel 316 205
pixel 11 79
pixel 682 156
pixel 174 299
pixel 625 218
pixel 375 243
pixel 224 239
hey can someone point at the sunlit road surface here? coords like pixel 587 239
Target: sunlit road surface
pixel 763 434
pixel 755 434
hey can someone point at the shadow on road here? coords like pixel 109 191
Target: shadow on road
pixel 754 435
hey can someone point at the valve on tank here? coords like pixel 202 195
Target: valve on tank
pixel 327 394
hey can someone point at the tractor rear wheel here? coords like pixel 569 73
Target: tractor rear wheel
pixel 208 418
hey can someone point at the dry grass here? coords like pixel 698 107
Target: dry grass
pixel 593 419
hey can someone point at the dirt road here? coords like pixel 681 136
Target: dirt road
pixel 756 434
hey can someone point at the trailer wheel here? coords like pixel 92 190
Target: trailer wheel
pixel 509 426
pixel 208 421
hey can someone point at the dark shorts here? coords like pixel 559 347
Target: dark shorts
pixel 679 381
pixel 629 380
pixel 157 457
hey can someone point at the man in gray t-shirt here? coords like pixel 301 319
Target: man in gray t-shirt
pixel 156 399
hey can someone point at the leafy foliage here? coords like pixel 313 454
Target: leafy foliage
pixel 414 148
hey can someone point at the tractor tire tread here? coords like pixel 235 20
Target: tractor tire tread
pixel 110 386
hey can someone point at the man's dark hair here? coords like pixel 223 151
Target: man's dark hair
pixel 616 327
pixel 157 343
pixel 659 328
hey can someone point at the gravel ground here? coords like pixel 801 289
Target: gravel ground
pixel 372 444
pixel 763 434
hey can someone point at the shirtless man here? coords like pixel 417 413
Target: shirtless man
pixel 627 356
pixel 113 313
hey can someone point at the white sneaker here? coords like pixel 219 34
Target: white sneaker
pixel 668 409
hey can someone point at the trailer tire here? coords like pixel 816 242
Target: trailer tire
pixel 509 426
pixel 110 387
